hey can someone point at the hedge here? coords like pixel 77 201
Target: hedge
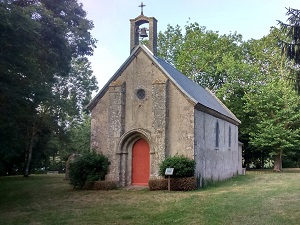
pixel 176 184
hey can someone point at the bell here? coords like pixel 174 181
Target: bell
pixel 143 32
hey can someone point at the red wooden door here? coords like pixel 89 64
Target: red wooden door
pixel 140 163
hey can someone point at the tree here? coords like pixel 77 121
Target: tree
pixel 290 43
pixel 72 93
pixel 275 109
pixel 263 64
pixel 77 138
pixel 232 69
pixel 204 56
pixel 68 126
pixel 220 62
pixel 39 39
pixel 169 43
pixel 16 106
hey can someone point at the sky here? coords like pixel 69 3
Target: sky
pixel 250 18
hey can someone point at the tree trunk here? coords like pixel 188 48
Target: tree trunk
pixel 262 160
pixel 28 156
pixel 278 162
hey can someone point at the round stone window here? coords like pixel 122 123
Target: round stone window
pixel 141 93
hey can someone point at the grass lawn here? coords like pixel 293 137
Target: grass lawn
pixel 257 198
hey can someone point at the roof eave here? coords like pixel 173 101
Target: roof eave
pixel 100 94
pixel 169 76
pixel 232 116
pixel 217 114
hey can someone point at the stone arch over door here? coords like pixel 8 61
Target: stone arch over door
pixel 126 145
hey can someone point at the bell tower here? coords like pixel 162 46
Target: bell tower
pixel 137 32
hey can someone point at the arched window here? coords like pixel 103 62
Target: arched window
pixel 217 131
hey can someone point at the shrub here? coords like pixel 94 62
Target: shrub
pixel 176 184
pixel 88 168
pixel 183 166
pixel 183 184
pixel 89 185
pixel 158 184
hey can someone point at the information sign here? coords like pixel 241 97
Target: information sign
pixel 169 171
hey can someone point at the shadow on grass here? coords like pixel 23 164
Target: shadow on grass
pixel 233 181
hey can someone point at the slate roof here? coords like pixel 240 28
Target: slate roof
pixel 191 89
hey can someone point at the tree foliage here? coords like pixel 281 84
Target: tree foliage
pixel 290 44
pixel 263 64
pixel 169 43
pixel 77 138
pixel 236 71
pixel 276 120
pixel 204 56
pixel 44 77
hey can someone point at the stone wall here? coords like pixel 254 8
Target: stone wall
pixel 143 103
pixel 163 117
pixel 181 124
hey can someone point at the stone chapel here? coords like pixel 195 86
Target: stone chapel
pixel 148 111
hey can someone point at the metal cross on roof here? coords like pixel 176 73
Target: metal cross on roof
pixel 142 6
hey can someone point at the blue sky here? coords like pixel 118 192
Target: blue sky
pixel 250 18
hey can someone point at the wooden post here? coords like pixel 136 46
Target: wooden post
pixel 169 172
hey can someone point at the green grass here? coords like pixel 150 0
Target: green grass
pixel 257 198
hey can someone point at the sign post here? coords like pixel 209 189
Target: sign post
pixel 169 172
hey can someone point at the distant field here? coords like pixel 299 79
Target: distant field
pixel 257 198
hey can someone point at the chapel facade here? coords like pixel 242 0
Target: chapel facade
pixel 148 111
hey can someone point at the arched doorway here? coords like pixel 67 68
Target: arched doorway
pixel 140 163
